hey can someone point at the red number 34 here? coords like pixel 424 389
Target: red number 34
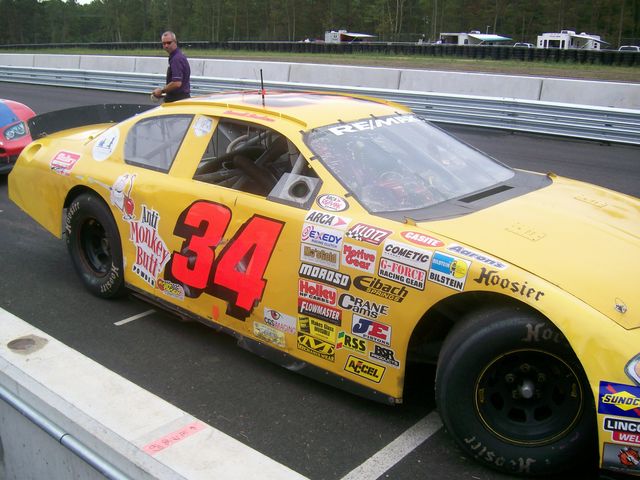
pixel 236 275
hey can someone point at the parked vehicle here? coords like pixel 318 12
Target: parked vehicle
pixel 14 132
pixel 629 48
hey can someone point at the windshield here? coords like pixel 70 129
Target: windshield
pixel 401 162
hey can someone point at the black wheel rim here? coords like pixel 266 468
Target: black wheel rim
pixel 96 249
pixel 529 397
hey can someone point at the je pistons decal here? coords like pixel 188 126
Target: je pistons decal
pixel 359 258
pixel 316 347
pixel 327 219
pixel 313 272
pixel 323 312
pixel 363 307
pixel 363 368
pixel 619 399
pixel 449 271
pixel 401 273
pixel 371 330
pixel 152 253
pixel 332 203
pixel 375 286
pixel 366 233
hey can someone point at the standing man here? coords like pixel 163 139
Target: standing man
pixel 178 74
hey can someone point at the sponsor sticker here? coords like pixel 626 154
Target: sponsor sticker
pixel 269 334
pixel 624 431
pixel 401 273
pixel 619 399
pixel 327 219
pixel 360 258
pixel 332 203
pixel 202 126
pixel 492 278
pixel 364 369
pixel 449 271
pixel 361 306
pixel 317 291
pixel 375 286
pixel 105 144
pixel 280 321
pixel 63 162
pixel 368 234
pixel 317 328
pixel 371 330
pixel 152 253
pixel 480 257
pixel 120 195
pixel 407 254
pixel 385 355
pixel 316 347
pixel 371 124
pixel 170 289
pixel 318 310
pixel 422 239
pixel 321 236
pixel 351 342
pixel 320 256
pixel 314 272
pixel 624 458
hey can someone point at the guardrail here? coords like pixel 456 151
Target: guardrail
pixel 563 119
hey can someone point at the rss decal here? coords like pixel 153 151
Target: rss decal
pixel 364 369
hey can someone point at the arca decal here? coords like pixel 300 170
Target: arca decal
pixel 236 274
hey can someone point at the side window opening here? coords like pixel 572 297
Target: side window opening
pixel 256 160
pixel 154 142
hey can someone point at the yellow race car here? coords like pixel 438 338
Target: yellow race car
pixel 345 237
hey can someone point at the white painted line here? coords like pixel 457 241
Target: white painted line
pixel 135 317
pixel 386 458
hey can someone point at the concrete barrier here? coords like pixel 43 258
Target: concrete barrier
pixel 127 431
pixel 521 87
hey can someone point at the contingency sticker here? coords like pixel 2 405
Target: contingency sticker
pixel 106 144
pixel 619 399
pixel 63 162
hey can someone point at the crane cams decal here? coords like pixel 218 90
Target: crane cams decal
pixel 361 306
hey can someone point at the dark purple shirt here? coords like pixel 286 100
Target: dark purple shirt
pixel 178 71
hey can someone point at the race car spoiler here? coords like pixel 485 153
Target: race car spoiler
pixel 51 122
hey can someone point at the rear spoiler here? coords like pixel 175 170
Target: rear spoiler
pixel 50 122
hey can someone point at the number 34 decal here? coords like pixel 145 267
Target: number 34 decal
pixel 236 274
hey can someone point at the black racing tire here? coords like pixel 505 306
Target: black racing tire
pixel 514 396
pixel 94 245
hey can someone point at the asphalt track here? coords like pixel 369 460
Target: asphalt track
pixel 316 430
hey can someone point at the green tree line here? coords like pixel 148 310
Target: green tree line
pixel 58 21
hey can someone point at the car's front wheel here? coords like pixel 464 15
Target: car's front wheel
pixel 514 396
pixel 94 245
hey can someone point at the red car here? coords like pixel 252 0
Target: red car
pixel 14 132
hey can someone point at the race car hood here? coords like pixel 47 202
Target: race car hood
pixel 582 238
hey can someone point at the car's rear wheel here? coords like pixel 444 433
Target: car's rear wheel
pixel 512 393
pixel 94 245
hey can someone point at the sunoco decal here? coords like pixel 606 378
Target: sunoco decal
pixel 401 273
pixel 359 258
pixel 364 369
pixel 313 272
pixel 332 203
pixel 152 253
pixel 619 399
pixel 449 271
pixel 480 257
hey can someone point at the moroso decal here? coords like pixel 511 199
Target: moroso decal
pixel 364 369
pixel 619 399
pixel 314 272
